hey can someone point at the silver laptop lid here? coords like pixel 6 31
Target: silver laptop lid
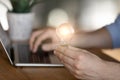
pixel 3 49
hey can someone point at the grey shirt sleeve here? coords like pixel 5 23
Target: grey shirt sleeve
pixel 114 30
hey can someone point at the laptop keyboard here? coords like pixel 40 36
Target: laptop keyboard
pixel 40 57
pixel 26 56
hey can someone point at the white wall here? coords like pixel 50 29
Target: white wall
pixel 89 14
pixel 97 13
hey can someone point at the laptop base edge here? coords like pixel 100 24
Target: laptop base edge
pixel 38 65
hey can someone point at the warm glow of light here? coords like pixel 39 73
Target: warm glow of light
pixel 65 31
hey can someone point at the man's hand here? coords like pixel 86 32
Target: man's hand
pixel 81 63
pixel 39 36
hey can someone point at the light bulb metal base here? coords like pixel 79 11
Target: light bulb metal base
pixel 63 43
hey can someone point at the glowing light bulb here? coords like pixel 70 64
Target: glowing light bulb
pixel 64 32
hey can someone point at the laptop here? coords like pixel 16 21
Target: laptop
pixel 20 55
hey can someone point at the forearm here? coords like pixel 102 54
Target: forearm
pixel 111 71
pixel 97 39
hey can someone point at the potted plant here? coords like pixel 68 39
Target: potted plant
pixel 21 19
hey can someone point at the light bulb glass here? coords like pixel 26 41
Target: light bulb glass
pixel 64 32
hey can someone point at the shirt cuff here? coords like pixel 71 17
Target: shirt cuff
pixel 114 30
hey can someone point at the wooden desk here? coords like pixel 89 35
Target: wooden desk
pixel 114 53
pixel 9 72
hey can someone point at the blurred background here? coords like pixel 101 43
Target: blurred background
pixel 85 14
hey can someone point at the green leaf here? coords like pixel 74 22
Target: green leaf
pixel 23 6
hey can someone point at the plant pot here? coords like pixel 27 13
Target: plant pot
pixel 20 25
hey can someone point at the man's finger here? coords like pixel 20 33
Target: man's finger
pixel 39 40
pixel 65 59
pixel 33 37
pixel 49 46
pixel 69 67
pixel 65 50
